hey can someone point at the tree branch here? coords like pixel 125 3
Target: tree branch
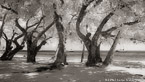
pixel 13 35
pixel 27 23
pixel 42 32
pixel 131 23
pixel 19 26
pixel 2 26
pixel 41 44
pixel 5 36
pixel 10 9
pixel 3 21
pixel 81 15
pixel 21 35
pixel 37 23
pixel 110 29
pixel 136 40
pixel 71 20
pixel 108 32
pixel 99 29
pixel 48 38
pixel 16 39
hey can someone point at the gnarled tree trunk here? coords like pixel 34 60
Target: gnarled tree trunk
pixel 93 55
pixel 61 55
pixel 31 52
pixel 7 50
pixel 110 55
pixel 14 51
pixel 33 48
pixel 92 45
pixel 18 47
pixel 83 52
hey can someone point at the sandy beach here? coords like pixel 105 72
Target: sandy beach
pixel 121 70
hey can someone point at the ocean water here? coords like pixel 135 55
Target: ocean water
pixel 75 56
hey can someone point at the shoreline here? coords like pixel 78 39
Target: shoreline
pixel 119 51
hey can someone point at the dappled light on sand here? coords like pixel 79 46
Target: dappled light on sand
pixel 135 71
pixel 5 76
pixel 31 75
pixel 18 70
pixel 135 68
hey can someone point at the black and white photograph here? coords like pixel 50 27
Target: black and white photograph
pixel 72 40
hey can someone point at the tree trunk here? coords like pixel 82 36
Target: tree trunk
pixel 61 55
pixel 82 57
pixel 98 55
pixel 94 49
pixel 109 58
pixel 13 52
pixel 93 56
pixel 93 45
pixel 7 50
pixel 4 57
pixel 2 26
pixel 31 49
pixel 31 53
pixel 60 58
pixel 31 57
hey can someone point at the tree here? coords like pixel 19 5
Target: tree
pixel 32 47
pixel 109 57
pixel 10 50
pixel 32 42
pixel 93 45
pixel 2 26
pixel 26 9
pixel 61 55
